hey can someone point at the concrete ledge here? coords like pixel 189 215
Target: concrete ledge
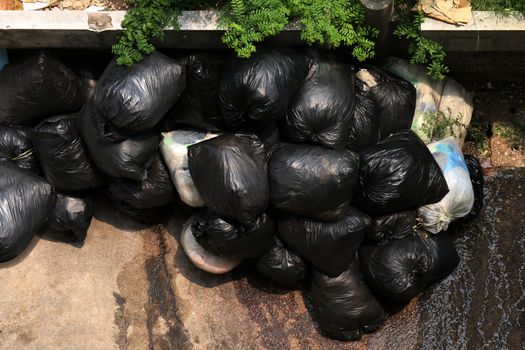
pixel 200 30
pixel 487 32
pixel 79 29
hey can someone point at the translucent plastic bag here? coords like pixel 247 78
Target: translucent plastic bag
pixel 443 108
pixel 456 102
pixel 459 200
pixel 174 149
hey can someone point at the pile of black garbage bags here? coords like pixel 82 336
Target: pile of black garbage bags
pixel 295 166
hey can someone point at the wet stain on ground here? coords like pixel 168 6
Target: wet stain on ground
pixel 282 317
pixel 165 330
pixel 121 321
pixel 146 311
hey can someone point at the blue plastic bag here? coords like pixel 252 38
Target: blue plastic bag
pixel 3 58
pixel 459 200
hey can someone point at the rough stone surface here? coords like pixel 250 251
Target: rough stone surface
pixel 58 296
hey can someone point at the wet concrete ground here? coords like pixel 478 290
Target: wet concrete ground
pixel 131 287
pixel 482 304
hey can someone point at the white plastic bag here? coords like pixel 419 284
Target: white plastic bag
pixel 456 102
pixel 459 200
pixel 174 149
pixel 202 258
pixel 443 108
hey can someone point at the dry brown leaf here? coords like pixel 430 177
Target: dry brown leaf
pixel 451 11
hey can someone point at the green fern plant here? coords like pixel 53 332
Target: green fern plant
pixel 248 22
pixel 330 23
pixel 251 21
pixel 335 23
pixel 144 21
pixel 422 50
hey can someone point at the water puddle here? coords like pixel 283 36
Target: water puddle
pixel 482 304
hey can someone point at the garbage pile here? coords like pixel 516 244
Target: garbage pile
pixel 297 163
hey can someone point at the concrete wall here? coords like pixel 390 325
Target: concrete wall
pixel 200 29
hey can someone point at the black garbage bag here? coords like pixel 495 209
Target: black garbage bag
pixel 26 200
pixel 155 191
pixel 231 174
pixel 402 268
pixel 313 181
pixel 395 98
pixel 364 128
pixel 268 133
pixel 35 88
pixel 63 156
pixel 146 216
pixel 71 217
pixel 16 147
pixel 393 226
pixel 328 246
pixel 398 173
pixel 344 306
pixel 231 239
pixel 198 105
pixel 88 83
pixel 282 266
pixel 260 88
pixel 135 98
pixel 476 176
pixel 113 153
pixel 321 111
